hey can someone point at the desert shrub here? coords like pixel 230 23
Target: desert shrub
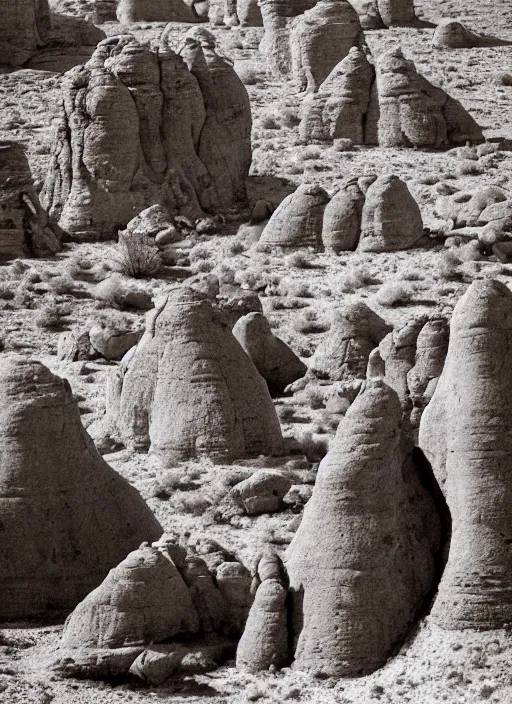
pixel 448 266
pixel 51 315
pixel 196 504
pixel 110 290
pixel 470 168
pixel 309 152
pixel 290 117
pixel 136 255
pixel 359 277
pixel 392 294
pixel 269 122
pixel 62 285
pixel 297 260
pixel 285 413
pixel 315 449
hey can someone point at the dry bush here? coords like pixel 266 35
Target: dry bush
pixel 315 449
pixel 449 266
pixel 359 277
pixel 136 255
pixel 51 315
pixel 62 285
pixel 393 294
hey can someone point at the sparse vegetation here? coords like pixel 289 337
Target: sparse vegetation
pixel 136 255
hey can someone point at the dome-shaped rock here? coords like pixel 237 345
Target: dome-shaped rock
pixel 190 390
pixel 355 331
pixel 275 361
pixel 320 39
pixel 297 221
pixel 391 218
pixel 342 219
pixel 66 516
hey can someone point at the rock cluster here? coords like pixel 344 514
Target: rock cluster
pixel 190 390
pixel 162 606
pixel 66 516
pixel 275 361
pixel 391 105
pixel 378 14
pixel 464 433
pixel 24 227
pixel 369 214
pixel 138 128
pixel 130 11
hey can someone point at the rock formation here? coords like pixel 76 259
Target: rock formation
pixel 376 14
pixel 25 27
pixel 297 221
pixel 275 361
pixel 413 112
pixel 339 108
pixel 24 228
pixel 277 20
pixel 342 218
pixel 142 600
pixel 355 331
pixel 465 433
pixel 249 13
pixel 357 571
pixel 66 516
pixel 265 638
pixel 138 128
pixel 190 390
pixel 454 35
pixel 393 106
pixel 398 352
pixel 320 39
pixel 105 11
pixel 130 11
pixel 391 218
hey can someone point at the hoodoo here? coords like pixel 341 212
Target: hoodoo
pixel 190 390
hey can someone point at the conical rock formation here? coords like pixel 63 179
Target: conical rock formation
pixel 355 331
pixel 190 390
pixel 358 571
pixel 320 39
pixel 67 517
pixel 391 218
pixel 465 434
pixel 297 221
pixel 275 361
pixel 338 110
pixel 342 219
pixel 277 20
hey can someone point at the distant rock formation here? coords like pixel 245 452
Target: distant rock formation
pixel 249 13
pixel 454 35
pixel 367 214
pixel 138 128
pixel 392 106
pixel 67 518
pixel 25 27
pixel 24 227
pixel 130 11
pixel 465 434
pixel 30 35
pixel 320 39
pixel 190 390
pixel 379 14
pixel 276 362
pixel 104 11
pixel 391 219
pixel 358 572
pixel 297 221
pixel 343 355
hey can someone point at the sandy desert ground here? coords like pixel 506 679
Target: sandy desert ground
pixel 298 294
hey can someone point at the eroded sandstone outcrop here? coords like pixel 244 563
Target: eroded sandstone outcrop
pixel 66 516
pixel 465 433
pixel 357 570
pixel 391 105
pixel 24 227
pixel 130 11
pixel 450 34
pixel 355 331
pixel 376 14
pixel 138 128
pixel 276 362
pixel 320 39
pixel 190 390
pixel 25 27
